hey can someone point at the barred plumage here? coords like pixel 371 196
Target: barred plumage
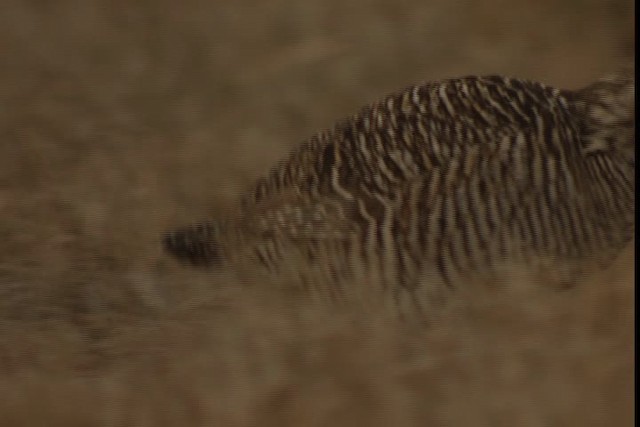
pixel 446 179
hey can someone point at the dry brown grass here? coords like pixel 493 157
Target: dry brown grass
pixel 120 119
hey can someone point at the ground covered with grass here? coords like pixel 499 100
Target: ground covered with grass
pixel 121 119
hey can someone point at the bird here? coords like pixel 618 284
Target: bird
pixel 443 179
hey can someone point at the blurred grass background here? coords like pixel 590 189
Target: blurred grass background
pixel 120 119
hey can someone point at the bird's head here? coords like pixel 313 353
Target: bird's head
pixel 608 110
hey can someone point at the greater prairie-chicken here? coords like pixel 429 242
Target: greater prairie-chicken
pixel 445 179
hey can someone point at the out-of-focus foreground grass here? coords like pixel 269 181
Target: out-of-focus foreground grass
pixel 121 119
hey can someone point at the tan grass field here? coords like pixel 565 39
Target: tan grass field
pixel 120 119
